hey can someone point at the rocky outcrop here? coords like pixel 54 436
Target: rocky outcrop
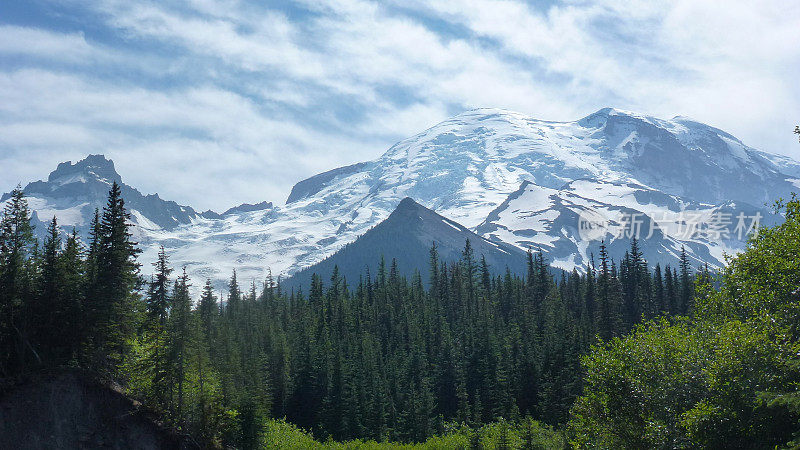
pixel 69 410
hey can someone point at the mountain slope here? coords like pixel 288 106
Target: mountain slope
pixel 549 219
pixel 407 235
pixel 67 408
pixel 73 191
pixel 469 168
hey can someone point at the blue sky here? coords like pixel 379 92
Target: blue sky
pixel 216 102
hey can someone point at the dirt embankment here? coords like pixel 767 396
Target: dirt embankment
pixel 69 410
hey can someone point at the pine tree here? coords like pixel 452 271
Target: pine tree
pixel 687 284
pixel 92 283
pixel 208 310
pixel 72 278
pixel 659 296
pixel 606 309
pixel 45 312
pixel 503 439
pixel 55 311
pixel 590 292
pixel 470 271
pixel 158 304
pixel 234 297
pixel 179 338
pixel 158 299
pixel 433 270
pixel 670 291
pixel 17 246
pixel 113 296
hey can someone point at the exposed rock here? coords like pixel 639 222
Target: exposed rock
pixel 69 410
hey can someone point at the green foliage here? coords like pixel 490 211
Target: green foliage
pixel 726 378
pixel 528 434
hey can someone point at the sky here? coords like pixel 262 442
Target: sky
pixel 213 103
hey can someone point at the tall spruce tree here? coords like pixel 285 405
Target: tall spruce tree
pixel 17 247
pixel 72 275
pixel 180 339
pixel 158 299
pixel 114 295
pixel 686 283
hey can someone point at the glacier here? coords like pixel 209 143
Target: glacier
pixel 508 177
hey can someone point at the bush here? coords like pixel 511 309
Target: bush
pixel 728 377
pixel 527 434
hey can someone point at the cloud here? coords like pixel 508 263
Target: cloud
pixel 44 44
pixel 251 98
pixel 185 135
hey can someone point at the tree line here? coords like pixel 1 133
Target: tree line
pixel 384 357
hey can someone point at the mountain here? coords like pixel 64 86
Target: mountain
pixel 785 164
pixel 73 191
pixel 407 235
pixel 466 167
pixel 549 219
pixel 503 175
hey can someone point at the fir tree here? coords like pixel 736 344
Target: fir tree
pixel 687 284
pixel 158 300
pixel 114 297
pixel 17 247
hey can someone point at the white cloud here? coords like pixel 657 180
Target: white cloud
pixel 256 99
pixel 44 44
pixel 187 136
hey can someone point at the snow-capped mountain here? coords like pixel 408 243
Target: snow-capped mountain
pixel 72 192
pixel 468 166
pixel 504 175
pixel 550 219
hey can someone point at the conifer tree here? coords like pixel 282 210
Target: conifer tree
pixel 686 283
pixel 114 295
pixel 158 300
pixel 208 309
pixel 72 270
pixel 659 296
pixel 17 246
pixel 45 311
pixel 608 314
pixel 179 338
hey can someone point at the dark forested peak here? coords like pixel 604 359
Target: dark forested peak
pixel 408 205
pixel 407 235
pixel 409 212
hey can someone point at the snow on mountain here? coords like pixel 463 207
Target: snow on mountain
pixel 467 166
pixel 550 219
pixel 507 176
pixel 785 164
pixel 73 191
